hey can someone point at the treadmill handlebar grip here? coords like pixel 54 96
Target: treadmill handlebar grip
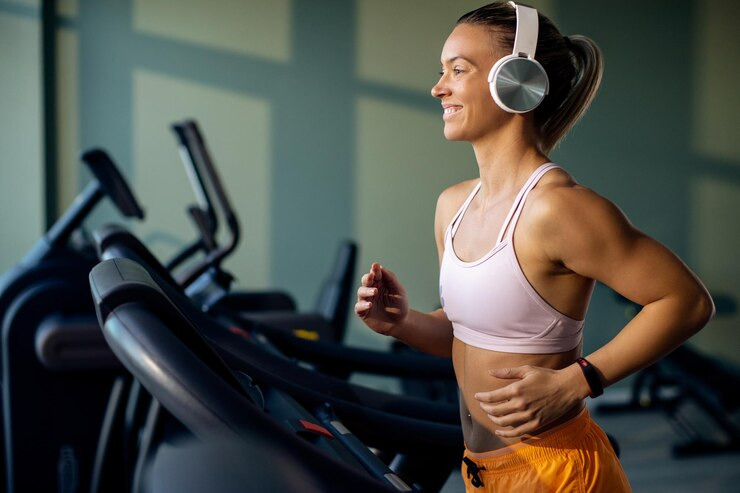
pixel 112 182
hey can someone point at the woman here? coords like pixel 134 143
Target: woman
pixel 513 308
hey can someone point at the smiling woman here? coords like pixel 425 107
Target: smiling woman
pixel 520 250
pixel 487 36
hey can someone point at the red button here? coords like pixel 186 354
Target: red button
pixel 315 428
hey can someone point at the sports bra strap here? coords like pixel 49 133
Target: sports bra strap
pixel 521 199
pixel 516 208
pixel 455 223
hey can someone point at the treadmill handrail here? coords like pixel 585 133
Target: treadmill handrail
pixel 188 158
pixel 193 141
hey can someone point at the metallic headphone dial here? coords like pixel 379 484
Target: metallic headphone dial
pixel 520 84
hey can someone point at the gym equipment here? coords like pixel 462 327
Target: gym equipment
pixel 330 357
pixel 50 343
pixel 171 360
pixel 206 281
pixel 197 163
pixel 208 285
pixel 697 393
pixel 124 288
pixel 518 83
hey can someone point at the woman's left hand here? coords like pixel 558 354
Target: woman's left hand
pixel 537 396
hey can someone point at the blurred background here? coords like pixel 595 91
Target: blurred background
pixel 319 116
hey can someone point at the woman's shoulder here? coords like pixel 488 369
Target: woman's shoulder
pixel 453 197
pixel 450 200
pixel 558 190
pixel 558 200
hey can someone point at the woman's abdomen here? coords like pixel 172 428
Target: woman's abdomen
pixel 471 369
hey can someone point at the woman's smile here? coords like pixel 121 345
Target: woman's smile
pixel 449 111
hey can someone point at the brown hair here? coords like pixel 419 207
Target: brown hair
pixel 573 64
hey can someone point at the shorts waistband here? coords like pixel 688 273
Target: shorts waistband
pixel 545 445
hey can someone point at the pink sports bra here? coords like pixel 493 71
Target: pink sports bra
pixel 490 302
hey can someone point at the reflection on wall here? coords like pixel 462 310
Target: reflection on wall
pixel 67 8
pixel 243 27
pixel 399 42
pixel 21 168
pixel 715 191
pixel 388 31
pixel 237 130
pixel 717 65
pixel 715 242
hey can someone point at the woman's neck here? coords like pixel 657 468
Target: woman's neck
pixel 505 160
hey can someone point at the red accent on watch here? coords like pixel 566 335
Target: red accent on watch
pixel 592 377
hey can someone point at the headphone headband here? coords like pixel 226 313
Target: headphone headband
pixel 518 83
pixel 527 27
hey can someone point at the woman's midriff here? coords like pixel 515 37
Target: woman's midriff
pixel 471 369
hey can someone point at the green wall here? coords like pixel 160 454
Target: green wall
pixel 21 167
pixel 319 115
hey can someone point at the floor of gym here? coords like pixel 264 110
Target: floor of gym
pixel 646 439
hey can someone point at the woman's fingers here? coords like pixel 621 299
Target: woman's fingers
pixel 369 289
pixel 366 294
pixel 515 419
pixel 518 431
pixel 362 308
pixel 373 276
pixel 377 272
pixel 503 408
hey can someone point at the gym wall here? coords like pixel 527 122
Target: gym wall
pixel 21 170
pixel 319 117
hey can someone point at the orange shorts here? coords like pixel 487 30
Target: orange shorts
pixel 575 456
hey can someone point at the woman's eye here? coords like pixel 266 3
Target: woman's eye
pixel 456 71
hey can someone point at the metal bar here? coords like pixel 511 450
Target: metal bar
pixel 49 66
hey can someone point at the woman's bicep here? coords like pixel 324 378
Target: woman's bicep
pixel 637 267
pixel 600 243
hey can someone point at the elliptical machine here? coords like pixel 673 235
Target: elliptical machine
pixel 208 285
pixel 51 401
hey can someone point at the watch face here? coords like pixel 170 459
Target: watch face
pixel 521 84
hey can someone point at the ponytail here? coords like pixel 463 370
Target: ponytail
pixel 589 65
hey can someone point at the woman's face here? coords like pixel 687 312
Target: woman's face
pixel 469 111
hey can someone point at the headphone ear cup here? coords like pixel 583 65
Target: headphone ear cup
pixel 518 84
pixel 492 84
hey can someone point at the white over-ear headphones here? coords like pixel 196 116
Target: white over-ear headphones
pixel 518 82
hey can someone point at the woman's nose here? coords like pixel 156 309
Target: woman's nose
pixel 439 89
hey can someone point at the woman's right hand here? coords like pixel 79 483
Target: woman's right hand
pixel 381 300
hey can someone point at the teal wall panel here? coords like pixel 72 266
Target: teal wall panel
pixel 21 158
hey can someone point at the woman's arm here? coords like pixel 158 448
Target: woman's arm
pixel 382 304
pixel 590 236
pixel 594 239
pixel 381 299
pixel 427 332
